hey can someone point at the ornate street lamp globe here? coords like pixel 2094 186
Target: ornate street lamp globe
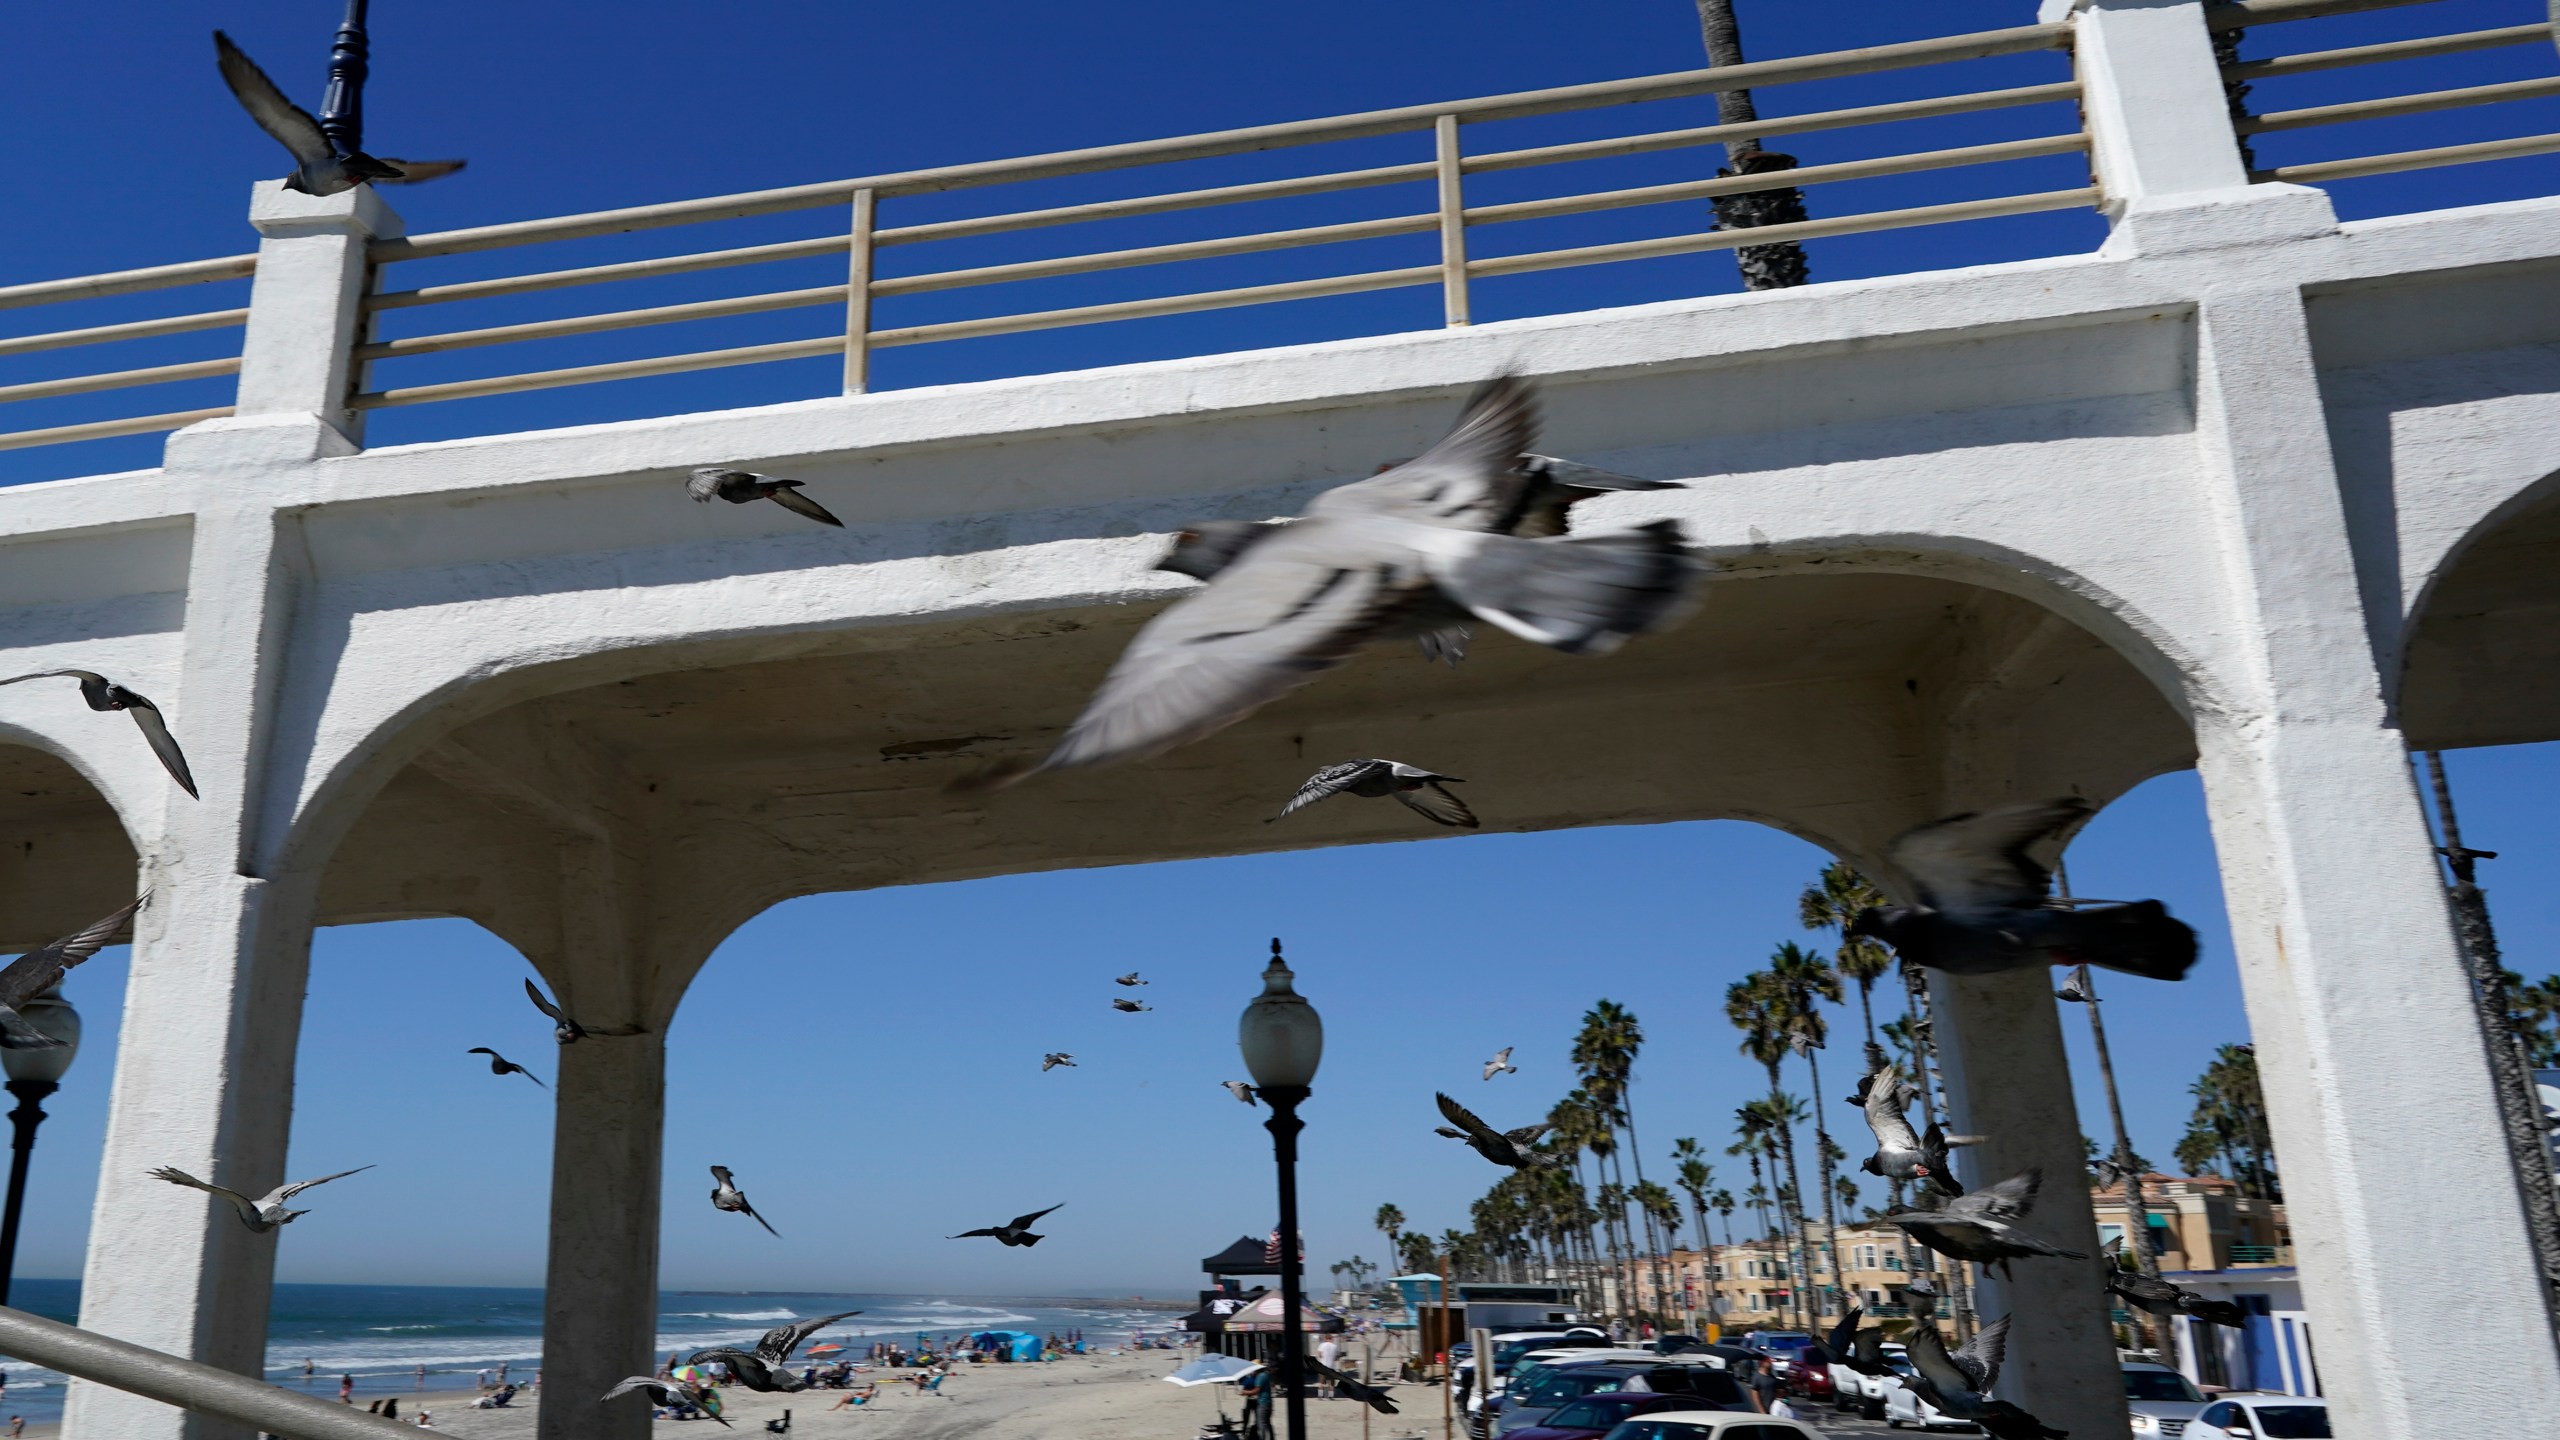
pixel 53 1015
pixel 1281 1035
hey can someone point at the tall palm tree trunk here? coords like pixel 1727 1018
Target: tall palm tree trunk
pixel 1764 267
pixel 1822 1153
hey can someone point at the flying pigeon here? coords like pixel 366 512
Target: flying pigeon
pixel 1131 1006
pixel 1981 1226
pixel 1983 906
pixel 2071 992
pixel 1367 556
pixel 1958 1384
pixel 318 167
pixel 1239 1089
pixel 1417 788
pixel 725 1195
pixel 1901 1154
pixel 1208 546
pixel 1501 1064
pixel 2161 1297
pixel 105 694
pixel 1016 1231
pixel 501 1065
pixel 672 1394
pixel 2107 1172
pixel 1857 1349
pixel 738 487
pixel 568 1031
pixel 1555 486
pixel 1129 979
pixel 1054 1059
pixel 263 1215
pixel 1373 1396
pixel 1508 1148
pixel 766 1368
pixel 37 971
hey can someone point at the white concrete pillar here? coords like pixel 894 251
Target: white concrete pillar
pixel 2008 1078
pixel 2377 1083
pixel 297 353
pixel 204 1069
pixel 600 1301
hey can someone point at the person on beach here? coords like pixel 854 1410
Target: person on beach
pixel 502 1372
pixel 346 1389
pixel 1329 1355
pixel 484 1378
pixel 17 1426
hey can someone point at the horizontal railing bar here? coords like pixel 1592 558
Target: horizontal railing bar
pixel 596 374
pixel 2319 170
pixel 1775 234
pixel 599 274
pixel 120 379
pixel 130 330
pixel 1674 85
pixel 1158 254
pixel 190 1385
pixel 615 320
pixel 1156 204
pixel 1777 179
pixel 127 282
pixel 2311 60
pixel 2391 105
pixel 1766 126
pixel 1162 305
pixel 2245 13
pixel 107 429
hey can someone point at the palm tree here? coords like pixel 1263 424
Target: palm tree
pixel 1390 1221
pixel 1798 981
pixel 1605 1052
pixel 1764 267
pixel 2537 1017
pixel 1830 903
pixel 1696 1177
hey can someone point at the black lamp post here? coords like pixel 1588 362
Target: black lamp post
pixel 1283 1039
pixel 33 1075
pixel 342 104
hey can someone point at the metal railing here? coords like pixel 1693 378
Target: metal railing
pixel 188 1384
pixel 108 286
pixel 2253 1254
pixel 2251 13
pixel 1451 216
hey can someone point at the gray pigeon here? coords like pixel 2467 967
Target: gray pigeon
pixel 1983 906
pixel 1014 1232
pixel 766 1369
pixel 1367 556
pixel 1958 1383
pixel 670 1394
pixel 501 1065
pixel 2071 992
pixel 1054 1059
pixel 262 1215
pixel 1507 1148
pixel 1239 1089
pixel 1130 1006
pixel 1501 1064
pixel 725 1195
pixel 1982 1226
pixel 1129 979
pixel 739 487
pixel 568 1031
pixel 2161 1297
pixel 38 971
pixel 1857 1349
pixel 1900 1153
pixel 318 168
pixel 1417 788
pixel 102 693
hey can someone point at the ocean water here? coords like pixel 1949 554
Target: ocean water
pixel 381 1333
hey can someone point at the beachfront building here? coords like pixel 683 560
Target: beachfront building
pixel 2198 1222
pixel 2214 480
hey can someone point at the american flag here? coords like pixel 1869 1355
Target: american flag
pixel 1271 1249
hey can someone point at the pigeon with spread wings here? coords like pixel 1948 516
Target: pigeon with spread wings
pixel 260 1215
pixel 1959 1382
pixel 568 1031
pixel 1501 1064
pixel 1507 1148
pixel 740 487
pixel 725 1195
pixel 103 694
pixel 1418 789
pixel 318 168
pixel 501 1065
pixel 1366 557
pixel 1984 907
pixel 1982 1226
pixel 1901 1153
pixel 672 1395
pixel 37 971
pixel 1016 1231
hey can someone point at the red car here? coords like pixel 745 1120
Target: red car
pixel 1808 1374
pixel 1593 1416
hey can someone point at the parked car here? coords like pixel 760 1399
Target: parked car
pixel 1698 1386
pixel 1807 1375
pixel 2262 1417
pixel 2162 1400
pixel 1710 1425
pixel 1786 1347
pixel 1864 1394
pixel 1483 1410
pixel 1593 1416
pixel 1903 1405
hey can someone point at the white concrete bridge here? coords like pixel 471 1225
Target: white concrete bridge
pixel 2246 489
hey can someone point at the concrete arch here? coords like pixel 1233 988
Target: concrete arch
pixel 2483 627
pixel 71 853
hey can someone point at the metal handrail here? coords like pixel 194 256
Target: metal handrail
pixel 190 1385
pixel 2244 14
pixel 2425 45
pixel 130 330
pixel 2390 106
pixel 109 429
pixel 2313 172
pixel 128 282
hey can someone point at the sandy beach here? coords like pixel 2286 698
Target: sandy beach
pixel 1095 1397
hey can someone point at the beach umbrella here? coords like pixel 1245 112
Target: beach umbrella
pixel 823 1350
pixel 692 1375
pixel 1213 1370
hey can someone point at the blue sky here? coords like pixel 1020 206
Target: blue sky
pixel 868 1063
